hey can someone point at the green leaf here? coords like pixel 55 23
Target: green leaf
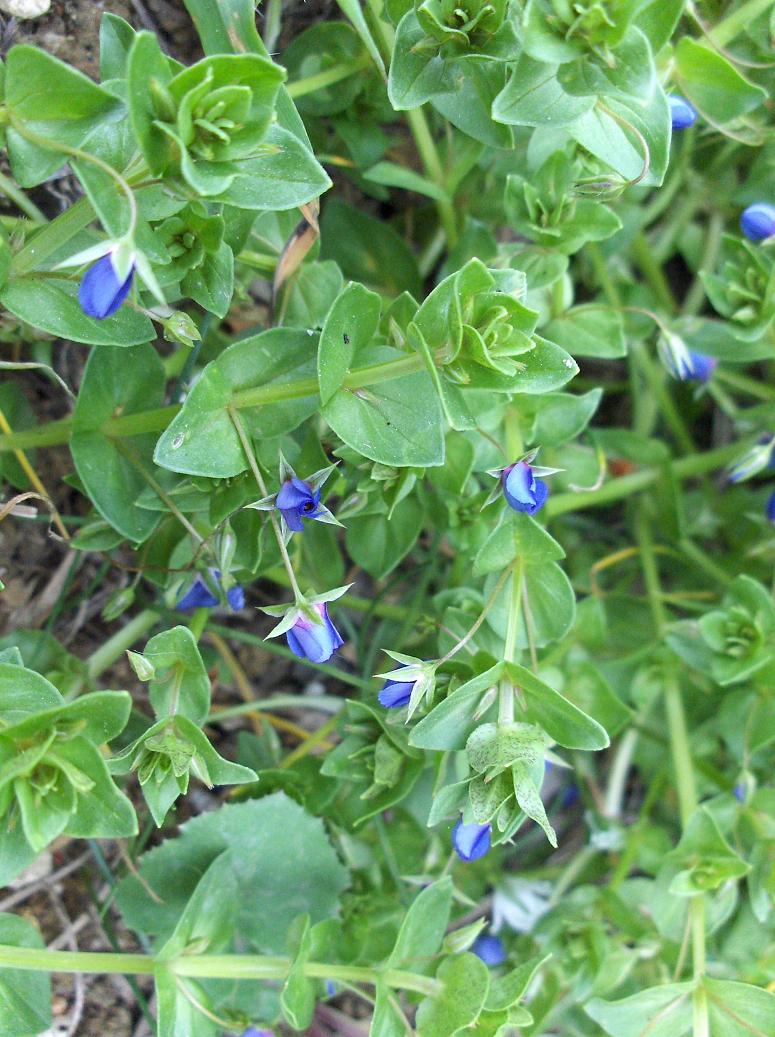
pixel 126 381
pixel 468 104
pixel 379 542
pixel 53 307
pixel 148 71
pixel 466 983
pixel 552 605
pixel 285 175
pixel 562 417
pixel 416 73
pixel 176 1013
pixel 566 723
pixel 52 101
pixel 389 174
pixel 590 691
pixel 449 725
pixel 298 994
pixel 396 422
pixel 209 917
pixel 423 928
pixel 516 535
pixel 368 250
pixel 310 294
pixel 616 138
pixel 212 283
pixel 25 996
pixel 739 1009
pixel 664 1011
pixel 23 693
pixel 99 716
pixel 534 97
pixel 352 9
pixel 506 990
pixel 349 327
pixel 387 1020
pixel 713 84
pixel 116 38
pixel 273 840
pixel 589 330
pixel 202 439
pixel 104 812
pixel 180 684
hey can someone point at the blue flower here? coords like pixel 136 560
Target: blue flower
pixel 694 367
pixel 523 492
pixel 490 949
pixel 471 842
pixel 200 596
pixel 757 221
pixel 297 500
pixel 769 507
pixel 314 641
pixel 396 694
pixel 739 792
pixel 253 1032
pixel 682 113
pixel 101 291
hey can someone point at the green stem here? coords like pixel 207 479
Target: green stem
pixel 321 703
pixel 210 966
pixel 310 84
pixel 734 24
pixel 696 295
pixel 653 272
pixel 115 646
pixel 52 237
pixel 684 770
pixel 506 688
pixel 655 377
pixel 20 199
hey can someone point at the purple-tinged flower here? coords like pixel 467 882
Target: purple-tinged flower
pixel 471 842
pixel 682 113
pixel 252 1031
pixel 396 694
pixel 757 221
pixel 522 490
pixel 314 641
pixel 769 507
pixel 489 949
pixel 754 460
pixel 739 792
pixel 201 596
pixel 298 500
pixel 330 987
pixel 102 291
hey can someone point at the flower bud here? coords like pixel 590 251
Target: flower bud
pixel 316 641
pixel 471 842
pixel 396 694
pixel 753 461
pixel 522 490
pixel 143 667
pixel 769 508
pixel 118 603
pixel 682 113
pixel 757 221
pixel 180 327
pixel 102 291
pixel 489 949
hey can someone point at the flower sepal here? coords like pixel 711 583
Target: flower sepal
pixel 416 672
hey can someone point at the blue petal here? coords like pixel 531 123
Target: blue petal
pixel 292 517
pixel 519 483
pixel 489 949
pixel 701 367
pixel 471 841
pixel 770 507
pixel 293 494
pixel 757 221
pixel 236 598
pixel 395 694
pixel 682 113
pixel 198 596
pixel 314 641
pixel 101 293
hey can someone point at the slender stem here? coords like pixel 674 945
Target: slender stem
pixel 251 459
pixel 734 24
pixel 210 966
pixel 20 199
pixel 310 84
pixel 506 689
pixel 112 649
pixel 653 272
pixel 34 479
pixel 684 770
pixel 317 738
pixel 481 618
pixel 321 703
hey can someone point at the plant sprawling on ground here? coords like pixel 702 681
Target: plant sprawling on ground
pixel 481 436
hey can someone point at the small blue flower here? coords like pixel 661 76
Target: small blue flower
pixel 200 596
pixel 739 792
pixel 253 1032
pixel 523 492
pixel 314 641
pixel 297 500
pixel 682 113
pixel 757 221
pixel 330 988
pixel 695 367
pixel 490 949
pixel 396 694
pixel 471 842
pixel 769 507
pixel 102 292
